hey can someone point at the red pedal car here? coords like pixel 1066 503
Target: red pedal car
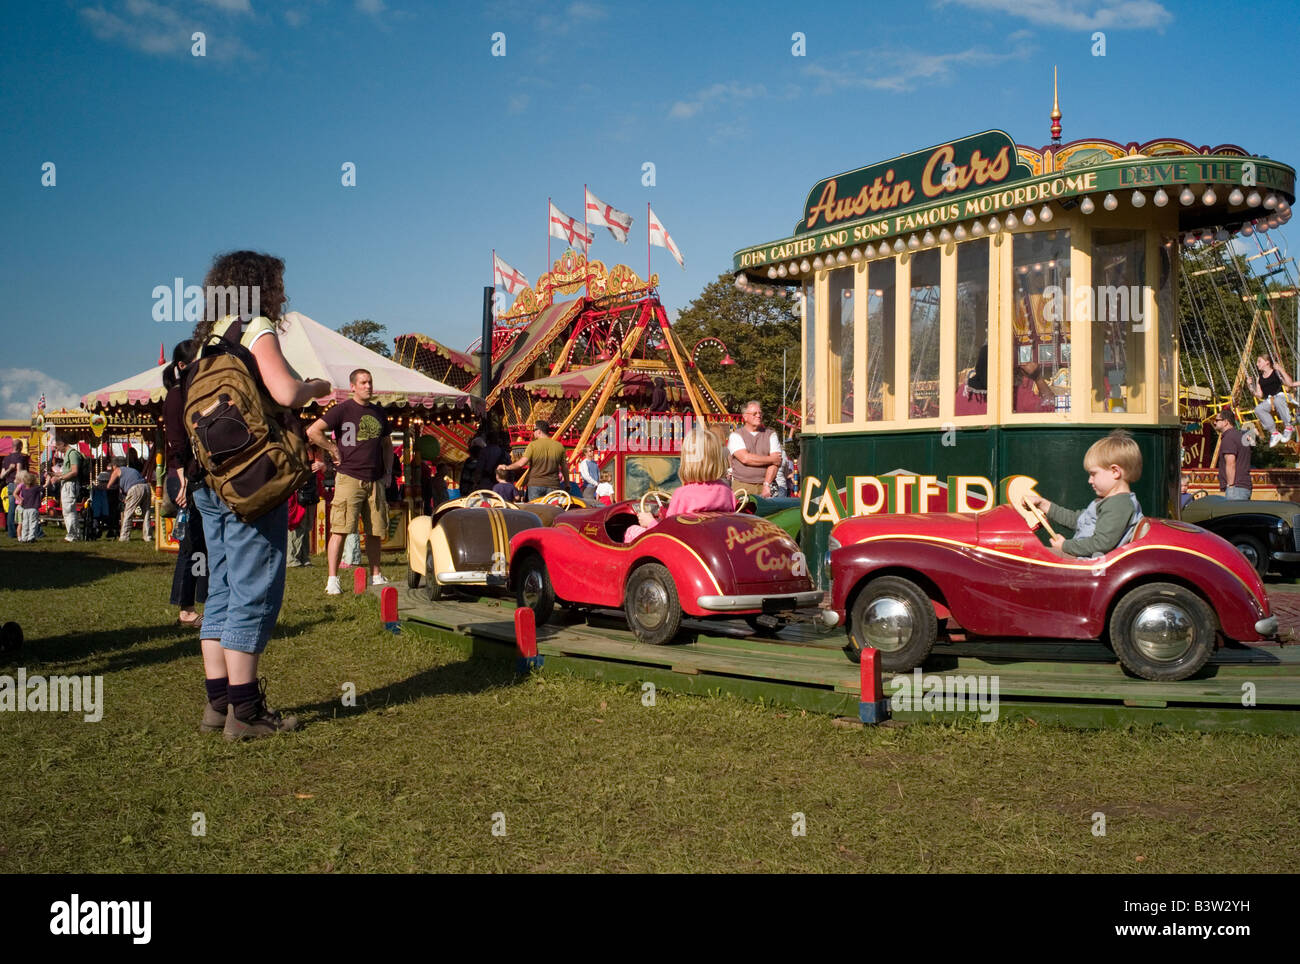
pixel 701 565
pixel 1158 600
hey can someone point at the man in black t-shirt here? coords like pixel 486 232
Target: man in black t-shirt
pixel 362 450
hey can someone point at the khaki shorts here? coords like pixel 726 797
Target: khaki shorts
pixel 353 500
pixel 753 488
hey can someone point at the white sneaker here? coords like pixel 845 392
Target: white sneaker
pixel 1274 439
pixel 1286 436
pixel 332 586
pixel 378 580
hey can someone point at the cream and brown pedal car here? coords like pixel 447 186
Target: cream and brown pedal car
pixel 465 544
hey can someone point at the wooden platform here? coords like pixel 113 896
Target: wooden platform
pixel 1066 682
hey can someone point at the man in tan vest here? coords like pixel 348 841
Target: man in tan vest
pixel 755 453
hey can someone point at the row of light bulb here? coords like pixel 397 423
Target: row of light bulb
pixel 744 284
pixel 1270 223
pixel 1187 197
pixel 1236 197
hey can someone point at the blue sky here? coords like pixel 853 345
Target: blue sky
pixel 163 158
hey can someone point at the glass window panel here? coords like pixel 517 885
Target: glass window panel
pixel 1040 322
pixel 1165 320
pixel 881 282
pixel 839 312
pixel 1118 351
pixel 972 328
pixel 923 381
pixel 810 355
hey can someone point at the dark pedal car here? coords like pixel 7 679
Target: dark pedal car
pixel 705 565
pixel 1266 533
pixel 1161 601
pixel 465 544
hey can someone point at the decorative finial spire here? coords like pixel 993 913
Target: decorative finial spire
pixel 1056 111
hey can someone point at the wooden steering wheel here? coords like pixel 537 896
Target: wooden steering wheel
pixel 485 496
pixel 659 495
pixel 1021 495
pixel 557 497
pixel 743 499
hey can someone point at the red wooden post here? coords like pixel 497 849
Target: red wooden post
pixel 359 579
pixel 526 640
pixel 873 705
pixel 388 609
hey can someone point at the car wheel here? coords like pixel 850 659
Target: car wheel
pixel 431 587
pixel 896 617
pixel 1162 631
pixel 1253 550
pixel 412 579
pixel 534 589
pixel 653 610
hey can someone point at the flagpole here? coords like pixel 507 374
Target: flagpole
pixel 494 287
pixel 647 245
pixel 586 232
pixel 548 243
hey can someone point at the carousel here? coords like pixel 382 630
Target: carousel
pixel 604 369
pixel 981 308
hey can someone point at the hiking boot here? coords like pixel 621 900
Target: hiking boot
pixel 332 586
pixel 254 720
pixel 214 720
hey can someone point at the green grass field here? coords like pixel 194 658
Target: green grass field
pixel 587 778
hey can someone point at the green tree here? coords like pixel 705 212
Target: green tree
pixel 760 333
pixel 368 334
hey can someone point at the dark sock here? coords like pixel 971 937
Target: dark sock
pixel 217 693
pixel 243 696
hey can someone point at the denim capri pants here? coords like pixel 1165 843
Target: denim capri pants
pixel 245 573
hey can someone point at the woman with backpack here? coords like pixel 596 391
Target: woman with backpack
pixel 246 560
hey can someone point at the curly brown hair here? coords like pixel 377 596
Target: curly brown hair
pixel 245 269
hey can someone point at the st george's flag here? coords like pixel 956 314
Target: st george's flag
pixel 601 215
pixel 510 279
pixel 659 235
pixel 564 227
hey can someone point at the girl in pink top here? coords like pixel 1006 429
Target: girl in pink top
pixel 704 489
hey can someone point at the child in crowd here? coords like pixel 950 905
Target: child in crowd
pixel 27 500
pixel 1109 520
pixel 504 487
pixel 704 487
pixel 605 490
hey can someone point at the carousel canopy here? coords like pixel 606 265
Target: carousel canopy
pixel 313 351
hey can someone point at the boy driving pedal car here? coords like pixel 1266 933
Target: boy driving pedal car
pixel 1109 520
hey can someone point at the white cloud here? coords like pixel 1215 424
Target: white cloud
pixel 20 390
pixel 898 71
pixel 157 28
pixel 518 103
pixel 295 18
pixel 1080 14
pixel 715 94
pixel 231 6
pixel 585 10
pixel 372 7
